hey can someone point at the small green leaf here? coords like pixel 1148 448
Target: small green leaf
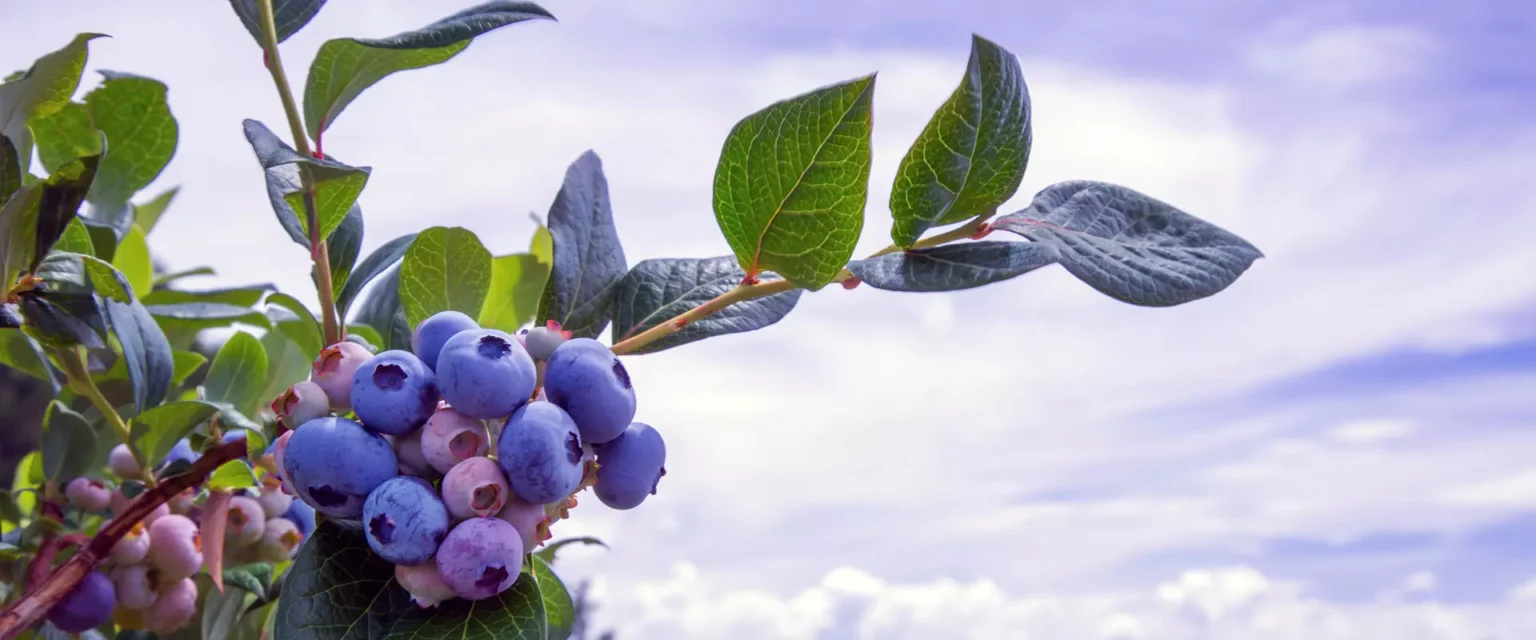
pixel 288 16
pixel 235 474
pixel 34 218
pixel 559 610
pixel 65 135
pixel 107 281
pixel 793 180
pixel 344 67
pixel 69 444
pixel 241 296
pixel 156 430
pixel 75 239
pixel 141 136
pixel 517 281
pixel 255 445
pixel 187 362
pixel 164 280
pixel 19 352
pixel 255 578
pixel 45 88
pixel 381 310
pixel 337 583
pixel 9 512
pixel 953 267
pixel 221 611
pixel 382 258
pixel 547 554
pixel 971 157
pixel 336 185
pixel 367 334
pixel 10 169
pixel 145 349
pixel 445 269
pixel 659 290
pixel 344 245
pixel 237 373
pixel 132 489
pixel 304 330
pixel 587 259
pixel 148 214
pixel 132 258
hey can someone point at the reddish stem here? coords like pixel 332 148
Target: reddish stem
pixel 43 561
pixel 34 607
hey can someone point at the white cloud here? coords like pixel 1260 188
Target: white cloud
pixel 1364 432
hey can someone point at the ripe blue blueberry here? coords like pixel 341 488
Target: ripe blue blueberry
pixel 588 381
pixel 429 337
pixel 181 451
pixel 394 393
pixel 87 606
pixel 405 521
pixel 485 373
pixel 302 515
pixel 630 466
pixel 480 558
pixel 334 463
pixel 540 451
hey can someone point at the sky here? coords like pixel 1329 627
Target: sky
pixel 1339 446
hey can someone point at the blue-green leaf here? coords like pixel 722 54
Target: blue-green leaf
pixel 588 258
pixel 288 16
pixel 656 291
pixel 237 373
pixel 953 267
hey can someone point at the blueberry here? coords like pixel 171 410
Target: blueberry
pixel 424 583
pixel 530 520
pixel 404 520
pixel 540 451
pixel 411 460
pixel 333 370
pixel 244 522
pixel 475 487
pixel 429 337
pixel 175 547
pixel 480 558
pixel 302 515
pixel 121 462
pixel 542 341
pixel 485 373
pixel 87 606
pixel 301 403
pixel 629 466
pixel 334 463
pixel 135 585
pixel 588 381
pixel 274 503
pixel 279 541
pixel 88 494
pixel 133 547
pixel 450 437
pixel 181 451
pixel 394 393
pixel 173 608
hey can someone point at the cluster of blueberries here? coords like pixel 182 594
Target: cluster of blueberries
pixel 147 579
pixel 462 451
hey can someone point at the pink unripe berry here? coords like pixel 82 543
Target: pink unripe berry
pixel 333 370
pixel 245 522
pixel 424 584
pixel 181 503
pixel 121 462
pixel 88 494
pixel 173 608
pixel 120 502
pixel 133 547
pixel 450 437
pixel 136 585
pixel 411 460
pixel 475 487
pixel 175 547
pixel 301 403
pixel 273 501
pixel 530 520
pixel 279 541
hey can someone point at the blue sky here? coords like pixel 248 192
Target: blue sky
pixel 1339 446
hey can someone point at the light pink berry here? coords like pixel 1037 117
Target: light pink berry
pixel 245 522
pixel 301 403
pixel 333 370
pixel 424 584
pixel 175 547
pixel 173 608
pixel 133 547
pixel 530 520
pixel 450 437
pixel 279 541
pixel 475 487
pixel 88 494
pixel 135 585
pixel 121 462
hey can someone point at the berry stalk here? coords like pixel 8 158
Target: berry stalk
pixel 42 596
pixel 319 253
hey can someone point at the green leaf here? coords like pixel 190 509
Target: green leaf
pixel 517 281
pixel 65 135
pixel 382 311
pixel 9 512
pixel 338 589
pixel 445 269
pixel 10 169
pixel 656 291
pixel 371 266
pixel 206 315
pixel 145 349
pixel 186 362
pixel 148 214
pixel 235 474
pixel 953 267
pixel 75 239
pixel 241 296
pixel 971 157
pixel 367 334
pixel 34 218
pixel 141 135
pixel 547 554
pixel 559 610
pixel 288 16
pixel 237 373
pixel 792 183
pixel 69 444
pixel 587 257
pixel 286 364
pixel 255 445
pixel 344 245
pixel 132 258
pixel 344 67
pixel 45 88
pixel 164 280
pixel 304 330
pixel 19 352
pixel 336 185
pixel 255 578
pixel 156 430
pixel 543 244
pixel 1131 246
pixel 221 612
pixel 107 281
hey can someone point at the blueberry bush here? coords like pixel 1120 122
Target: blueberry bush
pixel 392 464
